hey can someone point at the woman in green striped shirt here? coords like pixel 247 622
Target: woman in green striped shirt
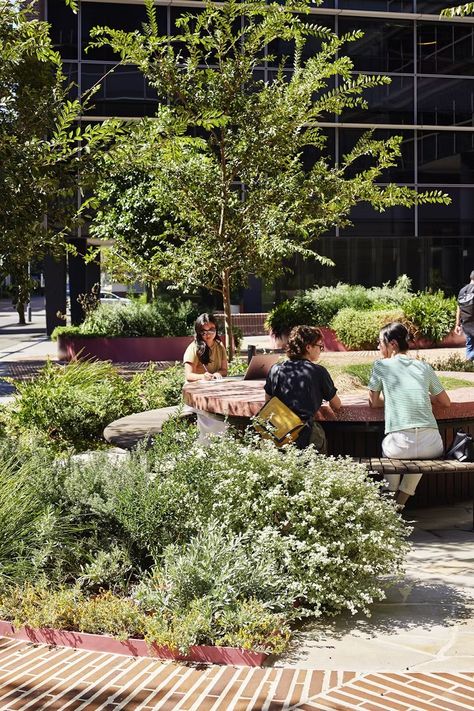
pixel 406 388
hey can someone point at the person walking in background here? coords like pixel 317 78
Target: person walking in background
pixel 302 384
pixel 465 316
pixel 406 388
pixel 206 359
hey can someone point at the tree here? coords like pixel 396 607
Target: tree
pixel 41 148
pixel 239 199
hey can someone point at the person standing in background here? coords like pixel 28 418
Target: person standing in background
pixel 465 316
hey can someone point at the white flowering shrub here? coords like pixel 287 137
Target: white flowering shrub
pixel 320 524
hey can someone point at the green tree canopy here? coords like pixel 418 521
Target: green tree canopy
pixel 41 147
pixel 241 198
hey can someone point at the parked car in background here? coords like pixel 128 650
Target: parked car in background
pixel 106 297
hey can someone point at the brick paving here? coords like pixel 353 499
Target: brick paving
pixel 37 677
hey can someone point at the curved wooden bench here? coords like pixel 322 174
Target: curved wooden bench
pixel 127 431
pixel 460 472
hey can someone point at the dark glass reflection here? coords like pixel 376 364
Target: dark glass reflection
pixel 434 7
pixel 394 222
pixel 387 45
pixel 280 49
pixel 380 5
pixel 117 17
pixel 391 103
pixel 449 220
pixel 445 48
pixel 445 157
pixel 311 154
pixel 122 93
pixel 445 261
pixel 445 101
pixel 63 28
pixel 70 78
pixel 403 172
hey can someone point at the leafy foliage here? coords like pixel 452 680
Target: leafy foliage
pixel 71 405
pixel 433 315
pixel 318 306
pixel 359 330
pixel 455 363
pixel 225 545
pixel 170 317
pixel 40 147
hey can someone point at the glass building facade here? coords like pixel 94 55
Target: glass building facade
pixel 430 103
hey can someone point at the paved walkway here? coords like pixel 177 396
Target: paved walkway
pixel 37 677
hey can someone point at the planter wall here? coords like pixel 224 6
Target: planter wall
pixel 332 344
pixel 132 647
pixel 123 350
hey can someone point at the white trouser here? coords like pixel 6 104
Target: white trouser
pixel 208 425
pixel 416 443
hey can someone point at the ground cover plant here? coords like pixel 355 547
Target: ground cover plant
pixel 225 545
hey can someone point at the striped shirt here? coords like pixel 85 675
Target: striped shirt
pixel 406 385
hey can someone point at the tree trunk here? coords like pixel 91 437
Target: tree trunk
pixel 20 307
pixel 227 317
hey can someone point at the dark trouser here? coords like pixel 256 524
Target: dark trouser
pixel 315 435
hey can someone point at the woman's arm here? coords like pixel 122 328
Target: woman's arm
pixel 375 398
pixel 441 399
pixel 335 403
pixel 191 375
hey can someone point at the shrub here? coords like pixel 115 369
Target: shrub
pixel 315 507
pixel 162 318
pixel 359 330
pixel 72 404
pixel 432 314
pixel 159 388
pixel 455 363
pixel 317 307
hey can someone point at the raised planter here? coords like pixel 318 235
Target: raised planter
pixel 132 647
pixel 332 344
pixel 123 350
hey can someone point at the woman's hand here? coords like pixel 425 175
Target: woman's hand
pixel 217 376
pixel 208 376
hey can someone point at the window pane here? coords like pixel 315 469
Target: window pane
pixel 63 28
pixel 434 7
pixel 116 16
pixel 449 220
pixel 386 46
pixel 122 93
pixel 394 222
pixel 280 48
pixel 445 157
pixel 392 103
pixel 384 5
pixel 445 101
pixel 445 48
pixel 403 172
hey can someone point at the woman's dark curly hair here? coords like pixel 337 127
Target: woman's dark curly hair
pixel 300 338
pixel 203 350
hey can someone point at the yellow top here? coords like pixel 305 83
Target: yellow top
pixel 218 356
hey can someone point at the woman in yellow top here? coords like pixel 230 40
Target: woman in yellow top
pixel 206 359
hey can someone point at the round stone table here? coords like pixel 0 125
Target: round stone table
pixel 356 429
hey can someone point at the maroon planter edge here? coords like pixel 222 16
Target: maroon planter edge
pixel 123 350
pixel 132 647
pixel 332 344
